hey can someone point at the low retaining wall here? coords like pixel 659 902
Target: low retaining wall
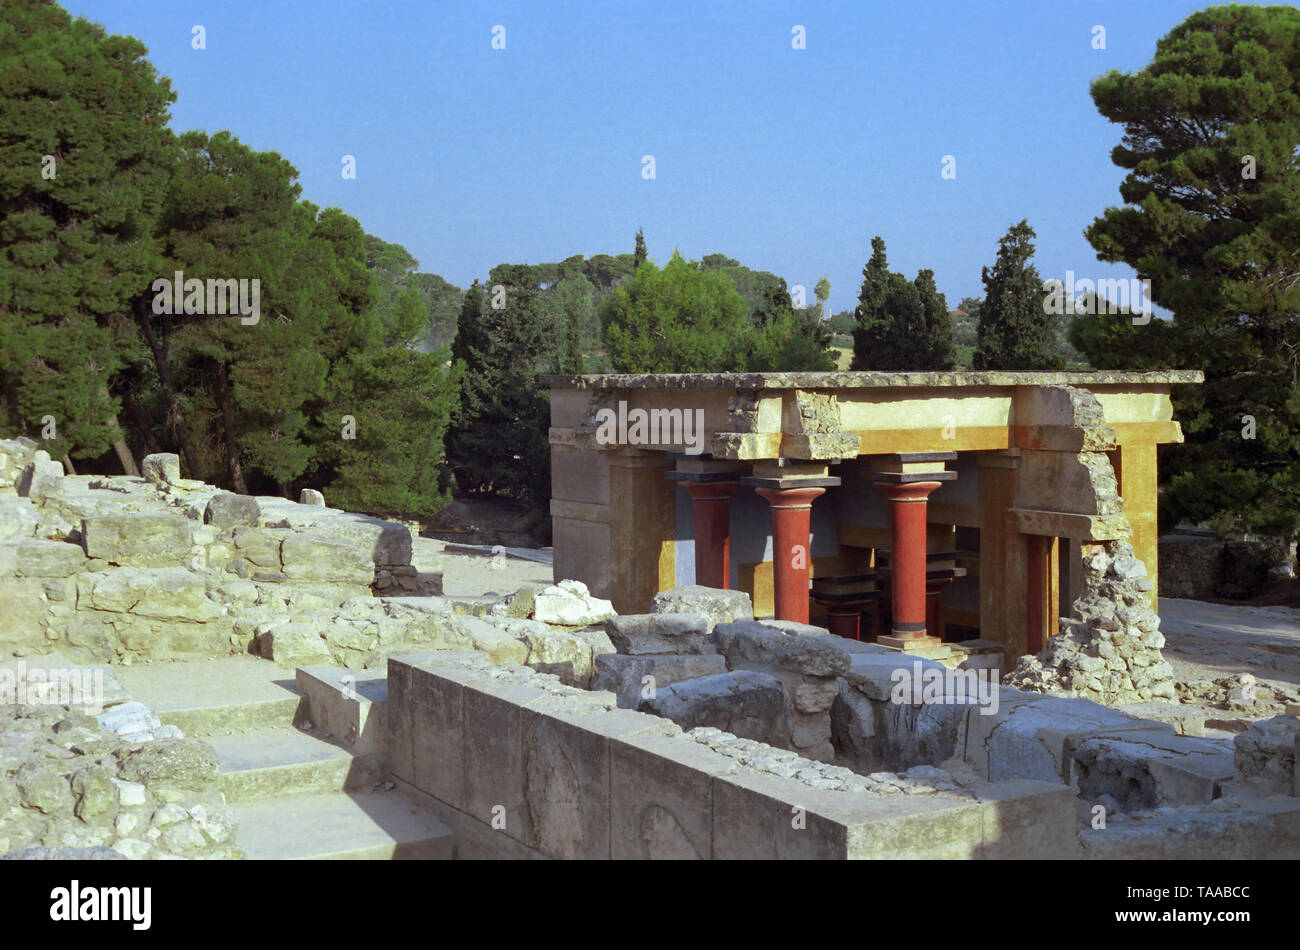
pixel 565 773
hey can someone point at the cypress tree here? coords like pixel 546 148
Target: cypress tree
pixel 1015 330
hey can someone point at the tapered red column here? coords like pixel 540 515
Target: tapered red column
pixel 907 481
pixel 711 503
pixel 907 556
pixel 791 525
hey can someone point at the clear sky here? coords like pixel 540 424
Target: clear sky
pixel 786 159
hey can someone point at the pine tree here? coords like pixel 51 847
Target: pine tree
pixel 85 156
pixel 1015 330
pixel 498 440
pixel 1211 201
pixel 681 319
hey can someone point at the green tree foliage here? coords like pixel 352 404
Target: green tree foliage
pixel 1211 216
pixel 639 254
pixel 498 438
pixel 1015 331
pixel 398 283
pixel 900 325
pixel 121 202
pixel 842 322
pixel 84 159
pixel 681 319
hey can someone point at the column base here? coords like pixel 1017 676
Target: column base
pixel 927 647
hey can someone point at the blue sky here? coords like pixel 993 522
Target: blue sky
pixel 788 160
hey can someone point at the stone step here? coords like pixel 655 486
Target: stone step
pixel 218 696
pixel 282 762
pixel 373 826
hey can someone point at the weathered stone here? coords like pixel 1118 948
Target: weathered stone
pixel 744 703
pixel 17 518
pixel 315 557
pixel 159 593
pixel 642 634
pixel 713 604
pixel 497 644
pixel 40 478
pixel 95 794
pixel 518 605
pixel 225 510
pixel 310 496
pixel 161 468
pixel 634 678
pixel 43 790
pixel 755 643
pixel 570 604
pixel 139 540
pixel 38 558
pixel 1266 751
pixel 175 763
pixel 292 644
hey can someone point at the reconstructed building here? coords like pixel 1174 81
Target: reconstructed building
pixel 906 508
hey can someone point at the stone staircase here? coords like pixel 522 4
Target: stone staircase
pixel 297 792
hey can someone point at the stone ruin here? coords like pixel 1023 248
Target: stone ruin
pixel 695 730
pixel 1109 651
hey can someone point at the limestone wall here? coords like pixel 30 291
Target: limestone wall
pixel 67 782
pixel 117 569
pixel 566 773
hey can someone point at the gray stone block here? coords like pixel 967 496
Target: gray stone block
pixel 625 676
pixel 661 797
pixel 225 510
pixel 647 634
pixel 714 605
pixel 745 703
pixel 752 642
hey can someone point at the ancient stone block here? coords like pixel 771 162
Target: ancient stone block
pixel 498 645
pixel 570 604
pixel 225 510
pixel 751 642
pixel 626 676
pixel 744 703
pixel 17 518
pixel 645 634
pixel 40 478
pixel 714 605
pixel 37 558
pixel 289 644
pixel 661 797
pixel 1266 751
pixel 315 557
pixel 139 540
pixel 162 468
pixel 567 777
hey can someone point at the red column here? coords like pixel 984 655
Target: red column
pixel 711 502
pixel 907 557
pixel 791 523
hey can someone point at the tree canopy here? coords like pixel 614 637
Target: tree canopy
pixel 1211 216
